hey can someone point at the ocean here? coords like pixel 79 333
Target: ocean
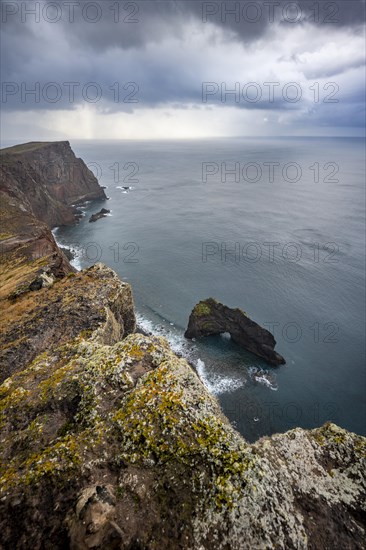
pixel 273 226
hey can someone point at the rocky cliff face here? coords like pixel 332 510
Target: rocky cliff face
pixel 109 441
pixel 46 179
pixel 28 251
pixel 61 311
pixel 210 317
pixel 38 184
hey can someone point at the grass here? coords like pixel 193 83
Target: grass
pixel 25 147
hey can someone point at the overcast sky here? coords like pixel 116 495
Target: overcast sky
pixel 181 69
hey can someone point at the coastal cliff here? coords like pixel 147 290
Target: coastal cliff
pixel 39 183
pixel 46 179
pixel 108 440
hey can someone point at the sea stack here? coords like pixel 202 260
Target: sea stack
pixel 210 317
pixel 101 214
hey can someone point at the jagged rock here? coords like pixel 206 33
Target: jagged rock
pixel 44 278
pixel 93 302
pixel 70 255
pixel 91 522
pixel 39 183
pixel 101 214
pixel 123 447
pixel 210 317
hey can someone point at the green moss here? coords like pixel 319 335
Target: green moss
pixel 4 236
pixel 154 422
pixel 151 420
pixel 360 446
pixel 61 458
pixel 202 309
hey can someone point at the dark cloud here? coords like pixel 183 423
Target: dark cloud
pixel 58 51
pixel 134 24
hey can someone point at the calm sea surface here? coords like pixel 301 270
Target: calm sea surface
pixel 273 226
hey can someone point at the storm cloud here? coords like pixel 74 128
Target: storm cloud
pixel 230 67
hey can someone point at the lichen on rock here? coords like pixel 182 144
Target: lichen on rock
pixel 129 431
pixel 104 313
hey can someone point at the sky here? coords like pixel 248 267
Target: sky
pixel 181 69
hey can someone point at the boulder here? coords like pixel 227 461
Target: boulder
pixel 101 214
pixel 209 317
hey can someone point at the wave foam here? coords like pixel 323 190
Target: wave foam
pixel 215 382
pixel 75 251
pixel 264 377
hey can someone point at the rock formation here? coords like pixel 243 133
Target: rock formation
pixel 109 441
pixel 101 214
pixel 209 317
pixel 38 184
pixel 63 312
pixel 46 179
pixel 121 446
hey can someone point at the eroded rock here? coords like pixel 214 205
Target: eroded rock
pixel 46 178
pixel 93 303
pixel 211 317
pixel 101 214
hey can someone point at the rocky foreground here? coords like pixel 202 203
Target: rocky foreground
pixel 109 440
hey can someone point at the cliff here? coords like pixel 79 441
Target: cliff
pixel 108 440
pixel 46 179
pixel 39 182
pixel 110 444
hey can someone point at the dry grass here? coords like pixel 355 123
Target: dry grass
pixel 24 147
pixel 15 271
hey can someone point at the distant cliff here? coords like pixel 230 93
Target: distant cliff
pixel 39 183
pixel 109 441
pixel 46 179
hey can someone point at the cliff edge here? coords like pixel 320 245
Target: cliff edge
pixel 46 179
pixel 39 183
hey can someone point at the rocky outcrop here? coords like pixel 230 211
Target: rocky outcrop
pixel 46 179
pixel 29 255
pixel 94 302
pixel 109 441
pixel 101 214
pixel 210 317
pixel 121 446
